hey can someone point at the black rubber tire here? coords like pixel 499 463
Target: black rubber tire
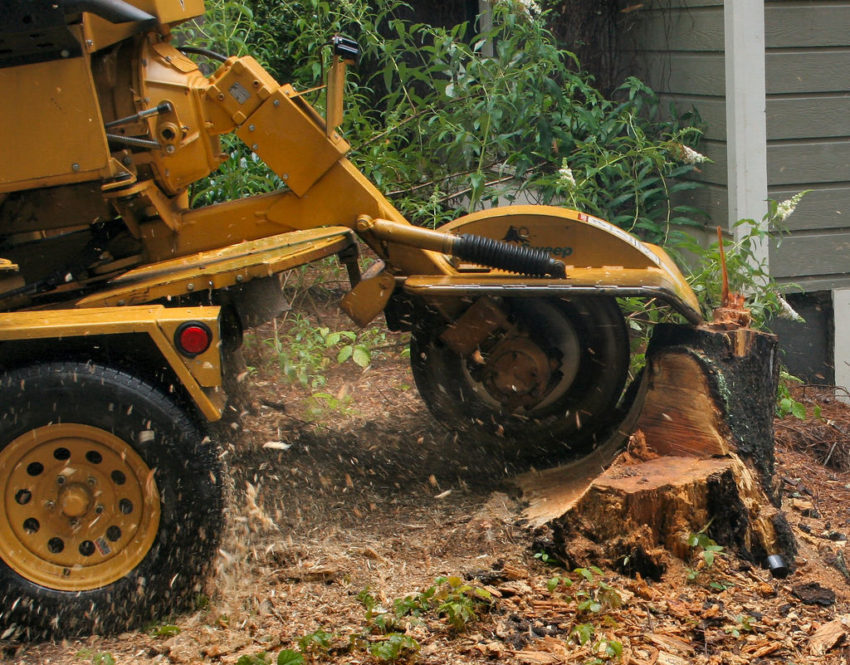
pixel 187 475
pixel 459 403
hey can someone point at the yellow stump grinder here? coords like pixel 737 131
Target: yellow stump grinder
pixel 118 299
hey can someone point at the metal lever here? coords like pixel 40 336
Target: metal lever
pixel 159 109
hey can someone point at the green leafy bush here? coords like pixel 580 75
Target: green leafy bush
pixel 444 124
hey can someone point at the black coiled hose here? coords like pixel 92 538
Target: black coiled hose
pixel 505 256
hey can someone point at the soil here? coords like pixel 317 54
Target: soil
pixel 369 493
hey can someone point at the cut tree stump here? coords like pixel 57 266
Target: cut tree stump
pixel 700 458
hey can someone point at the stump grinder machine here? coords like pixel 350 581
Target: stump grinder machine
pixel 118 300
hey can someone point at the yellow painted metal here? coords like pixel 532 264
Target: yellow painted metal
pixel 337 199
pixel 237 89
pixel 573 237
pixel 335 96
pixel 200 375
pixel 594 251
pixel 609 281
pixel 228 266
pixel 170 12
pixel 81 509
pixel 368 298
pixel 291 139
pixel 405 234
pixel 190 148
pixel 98 33
pixel 50 126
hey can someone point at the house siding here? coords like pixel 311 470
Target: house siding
pixel 678 48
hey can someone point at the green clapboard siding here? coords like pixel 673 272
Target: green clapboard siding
pixel 673 5
pixel 807 71
pixel 812 254
pixel 812 117
pixel 810 24
pixel 698 29
pixel 790 164
pixel 678 46
pixel 685 73
pixel 803 284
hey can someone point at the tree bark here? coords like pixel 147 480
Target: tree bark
pixel 700 459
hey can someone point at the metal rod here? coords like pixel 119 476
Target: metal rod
pixel 164 107
pixel 132 140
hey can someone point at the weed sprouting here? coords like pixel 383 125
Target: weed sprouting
pixel 450 597
pixel 706 552
pixel 304 352
pixel 96 657
pixel 396 647
pixel 317 643
pixel 384 636
pixel 591 593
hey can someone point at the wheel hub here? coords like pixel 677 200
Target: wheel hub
pixel 81 507
pixel 517 372
pixel 75 500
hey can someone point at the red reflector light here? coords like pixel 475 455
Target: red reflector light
pixel 193 338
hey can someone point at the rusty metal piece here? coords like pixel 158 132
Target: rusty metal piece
pixel 517 372
pixel 483 318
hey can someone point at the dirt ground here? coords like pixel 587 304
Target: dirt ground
pixel 340 507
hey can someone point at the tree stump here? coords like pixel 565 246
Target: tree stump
pixel 700 458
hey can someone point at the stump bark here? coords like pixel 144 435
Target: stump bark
pixel 700 458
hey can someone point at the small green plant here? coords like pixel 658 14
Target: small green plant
pixel 304 351
pixel 706 551
pixel 317 643
pixel 319 405
pixel 595 594
pixel 459 602
pixel 582 633
pixel 96 657
pixel 394 648
pixel 605 649
pixel 378 619
pixel 261 658
pixel 164 630
pixel 548 559
pixel 747 270
pixel 558 581
pixel 743 624
pixel 349 347
pixel 450 597
pixel 290 657
pixel 786 405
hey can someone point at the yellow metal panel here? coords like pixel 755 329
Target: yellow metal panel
pixel 190 151
pixel 292 141
pixel 221 268
pixel 169 11
pixel 573 237
pixel 51 129
pixel 158 322
pixel 610 281
pixel 591 248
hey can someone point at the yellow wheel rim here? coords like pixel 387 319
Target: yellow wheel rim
pixel 81 507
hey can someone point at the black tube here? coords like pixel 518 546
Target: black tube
pixel 114 11
pixel 505 256
pixel 197 50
